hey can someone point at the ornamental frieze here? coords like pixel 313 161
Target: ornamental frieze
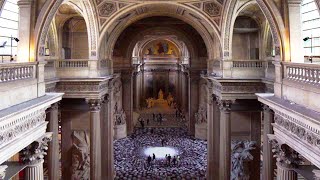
pixel 20 126
pixel 239 87
pixel 297 128
pixel 81 86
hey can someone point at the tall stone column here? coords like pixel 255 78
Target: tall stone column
pixel 296 43
pixel 107 136
pixel 287 160
pixel 25 14
pixel 267 167
pixel 33 156
pixel 95 140
pixel 53 151
pixel 127 99
pixel 225 137
pixel 213 138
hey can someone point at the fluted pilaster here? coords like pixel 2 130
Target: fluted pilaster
pixel 225 137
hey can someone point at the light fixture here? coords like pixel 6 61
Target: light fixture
pixel 16 39
pixel 306 38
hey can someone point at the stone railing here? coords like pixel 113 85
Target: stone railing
pixel 17 71
pixel 248 64
pixel 302 73
pixel 72 63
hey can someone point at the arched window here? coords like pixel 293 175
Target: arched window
pixel 311 28
pixel 9 17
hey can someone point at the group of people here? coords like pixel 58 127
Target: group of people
pixel 142 123
pixel 157 117
pixel 175 160
pixel 169 160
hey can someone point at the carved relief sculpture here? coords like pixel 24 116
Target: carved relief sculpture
pixel 201 115
pixel 119 116
pixel 80 155
pixel 240 156
pixel 3 171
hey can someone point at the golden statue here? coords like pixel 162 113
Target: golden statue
pixel 160 94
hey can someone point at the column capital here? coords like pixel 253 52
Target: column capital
pixel 294 2
pixel 224 105
pixel 286 157
pixel 22 3
pixel 94 104
pixel 54 106
pixel 35 152
pixel 266 108
pixel 3 169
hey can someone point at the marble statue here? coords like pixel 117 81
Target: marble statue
pixel 150 102
pixel 201 115
pixel 170 99
pixel 80 155
pixel 160 94
pixel 240 156
pixel 3 171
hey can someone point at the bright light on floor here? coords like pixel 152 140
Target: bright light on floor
pixel 161 152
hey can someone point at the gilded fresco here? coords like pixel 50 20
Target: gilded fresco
pixel 161 48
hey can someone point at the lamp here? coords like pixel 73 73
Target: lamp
pixel 306 39
pixel 17 40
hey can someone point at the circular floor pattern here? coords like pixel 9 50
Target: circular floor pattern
pixel 131 158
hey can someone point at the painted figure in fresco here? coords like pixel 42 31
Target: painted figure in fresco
pixel 160 48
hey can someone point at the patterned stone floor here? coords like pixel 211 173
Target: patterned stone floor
pixel 131 162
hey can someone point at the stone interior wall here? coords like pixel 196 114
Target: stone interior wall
pixel 75 39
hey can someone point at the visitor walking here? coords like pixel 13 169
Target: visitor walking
pixel 174 160
pixel 169 159
pixel 149 160
pixel 153 157
pixel 162 142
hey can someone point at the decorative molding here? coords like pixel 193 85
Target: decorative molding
pixel 302 131
pixel 212 8
pixel 107 9
pixel 17 127
pixel 225 105
pixel 81 86
pixel 35 152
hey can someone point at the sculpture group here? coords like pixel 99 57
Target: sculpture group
pixel 151 102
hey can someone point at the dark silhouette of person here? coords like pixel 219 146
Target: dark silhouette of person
pixel 142 124
pixel 153 116
pixel 162 142
pixel 174 160
pixel 149 160
pixel 148 121
pixel 153 156
pixel 169 159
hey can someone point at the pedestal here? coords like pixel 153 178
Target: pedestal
pixel 120 131
pixel 201 131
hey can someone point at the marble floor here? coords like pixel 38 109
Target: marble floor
pixel 131 155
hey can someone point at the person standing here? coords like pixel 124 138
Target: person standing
pixel 153 157
pixel 169 159
pixel 174 160
pixel 148 121
pixel 149 160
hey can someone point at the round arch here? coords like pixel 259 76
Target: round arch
pixel 272 16
pixel 46 16
pixel 181 37
pixel 202 25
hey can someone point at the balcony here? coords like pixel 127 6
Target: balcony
pixel 75 68
pixel 301 83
